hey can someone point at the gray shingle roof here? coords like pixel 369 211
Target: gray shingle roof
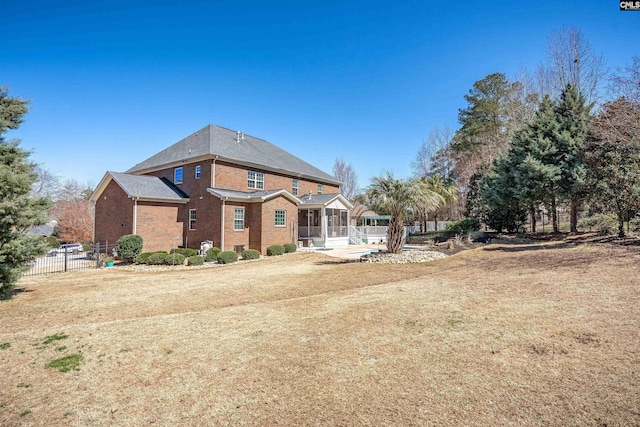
pixel 256 196
pixel 214 140
pixel 148 187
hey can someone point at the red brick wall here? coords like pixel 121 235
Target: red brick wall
pixel 236 237
pixel 233 177
pixel 272 235
pixel 113 215
pixel 257 220
pixel 159 226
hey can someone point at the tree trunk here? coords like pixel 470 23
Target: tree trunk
pixel 554 215
pixel 574 215
pixel 620 220
pixel 435 221
pixel 395 235
pixel 532 211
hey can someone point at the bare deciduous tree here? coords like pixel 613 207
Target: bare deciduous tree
pixel 626 81
pixel 47 184
pixel 571 60
pixel 74 212
pixel 434 156
pixel 345 173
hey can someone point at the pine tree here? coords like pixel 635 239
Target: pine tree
pixel 18 211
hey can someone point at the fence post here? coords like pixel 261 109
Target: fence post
pixel 66 254
pixel 97 254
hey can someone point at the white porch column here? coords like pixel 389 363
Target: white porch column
pixel 323 223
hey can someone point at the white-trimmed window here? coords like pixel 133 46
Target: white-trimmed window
pixel 238 219
pixel 192 219
pixel 319 188
pixel 177 176
pixel 198 172
pixel 281 218
pixel 294 187
pixel 255 180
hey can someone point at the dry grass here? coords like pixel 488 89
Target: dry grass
pixel 539 334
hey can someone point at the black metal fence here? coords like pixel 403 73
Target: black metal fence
pixel 61 260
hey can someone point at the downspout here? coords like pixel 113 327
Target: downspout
pixel 222 227
pixel 135 216
pixel 213 173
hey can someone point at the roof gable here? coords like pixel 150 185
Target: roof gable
pixel 143 187
pixel 212 141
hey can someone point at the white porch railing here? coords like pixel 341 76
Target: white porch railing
pixel 355 236
pixel 308 232
pixel 337 231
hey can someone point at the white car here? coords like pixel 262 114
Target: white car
pixel 71 248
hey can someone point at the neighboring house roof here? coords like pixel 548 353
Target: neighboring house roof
pixel 321 200
pixel 215 141
pixel 44 229
pixel 256 196
pixel 143 187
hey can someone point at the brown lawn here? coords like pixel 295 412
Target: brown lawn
pixel 538 334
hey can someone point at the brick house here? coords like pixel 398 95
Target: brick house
pixel 223 186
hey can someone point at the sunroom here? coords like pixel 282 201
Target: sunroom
pixel 323 220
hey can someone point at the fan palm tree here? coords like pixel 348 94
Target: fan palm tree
pixel 398 198
pixel 448 192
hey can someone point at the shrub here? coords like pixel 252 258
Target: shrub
pixel 250 254
pixel 212 254
pixel 604 224
pixel 157 258
pixel 185 251
pixel 227 257
pixel 634 224
pixel 289 248
pixel 129 247
pixel 175 259
pixel 195 260
pixel 275 250
pixel 86 247
pixel 52 242
pixel 143 258
pixel 464 226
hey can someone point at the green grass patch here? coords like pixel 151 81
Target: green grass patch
pixel 25 412
pixel 54 337
pixel 65 364
pixel 5 345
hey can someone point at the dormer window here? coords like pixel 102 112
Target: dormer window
pixel 177 176
pixel 255 180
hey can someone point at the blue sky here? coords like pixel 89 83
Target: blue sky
pixel 113 82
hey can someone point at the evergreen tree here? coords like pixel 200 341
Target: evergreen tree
pixel 534 159
pixel 572 116
pixel 18 211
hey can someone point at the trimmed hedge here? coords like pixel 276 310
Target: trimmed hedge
pixel 274 250
pixel 195 260
pixel 175 259
pixel 250 254
pixel 289 248
pixel 157 258
pixel 212 254
pixel 129 247
pixel 227 257
pixel 188 252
